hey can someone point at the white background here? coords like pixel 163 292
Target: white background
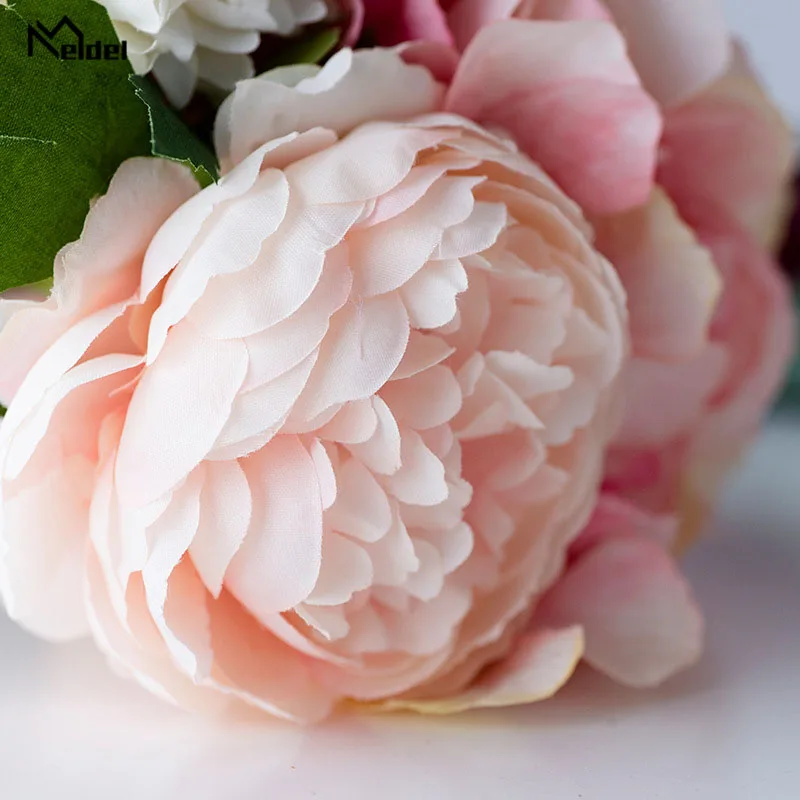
pixel 727 730
pixel 772 30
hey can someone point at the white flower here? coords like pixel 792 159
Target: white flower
pixel 182 41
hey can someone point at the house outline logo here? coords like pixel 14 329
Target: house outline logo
pixel 77 51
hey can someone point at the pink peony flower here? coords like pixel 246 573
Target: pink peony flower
pixel 567 94
pixel 711 323
pixel 677 47
pixel 712 334
pixel 727 160
pixel 328 428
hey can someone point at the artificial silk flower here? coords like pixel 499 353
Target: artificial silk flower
pixel 677 47
pixel 711 320
pixel 324 430
pixel 183 41
pixel 411 407
pixel 727 159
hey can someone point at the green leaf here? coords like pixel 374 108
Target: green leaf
pixel 65 126
pixel 171 138
pixel 308 49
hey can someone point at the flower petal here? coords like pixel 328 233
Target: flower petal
pixel 43 542
pixel 278 563
pixel 678 47
pixel 537 668
pixel 225 513
pixel 641 623
pixel 178 409
pixel 352 88
pixel 572 101
pixel 670 279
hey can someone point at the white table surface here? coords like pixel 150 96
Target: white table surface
pixel 727 730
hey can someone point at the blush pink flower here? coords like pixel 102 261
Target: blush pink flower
pixel 677 47
pixel 327 429
pixel 711 324
pixel 567 94
pixel 727 160
pixel 731 150
pixel 712 333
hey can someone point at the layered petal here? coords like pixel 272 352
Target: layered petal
pixel 333 430
pixel 730 147
pixel 639 619
pixel 572 101
pixel 678 48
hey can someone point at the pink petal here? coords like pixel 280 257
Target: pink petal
pixel 352 88
pixel 670 279
pixel 756 327
pixel 43 545
pixel 454 545
pixel 168 539
pixel 678 47
pixel 571 99
pixel 283 277
pixel 89 386
pixel 430 297
pixel 423 351
pixel 171 241
pixel 281 347
pixel 393 557
pixel 426 400
pixel 54 363
pixel 173 419
pixel 257 415
pixel 430 627
pixel 539 665
pixel 102 267
pixel 370 161
pixel 440 60
pixel 421 478
pixel 278 563
pixel 381 452
pixel 387 255
pixel 326 474
pixel 248 222
pixel 664 401
pixel 616 517
pixel 346 569
pixel 640 621
pixel 731 147
pixel 143 656
pixel 354 423
pixel 364 345
pixel 355 9
pixel 427 581
pixel 257 667
pixel 362 508
pixel 225 513
pixel 467 17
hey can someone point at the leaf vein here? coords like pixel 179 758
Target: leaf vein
pixel 11 138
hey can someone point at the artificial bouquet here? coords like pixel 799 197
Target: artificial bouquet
pixel 381 352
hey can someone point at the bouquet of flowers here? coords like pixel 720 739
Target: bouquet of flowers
pixel 380 352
